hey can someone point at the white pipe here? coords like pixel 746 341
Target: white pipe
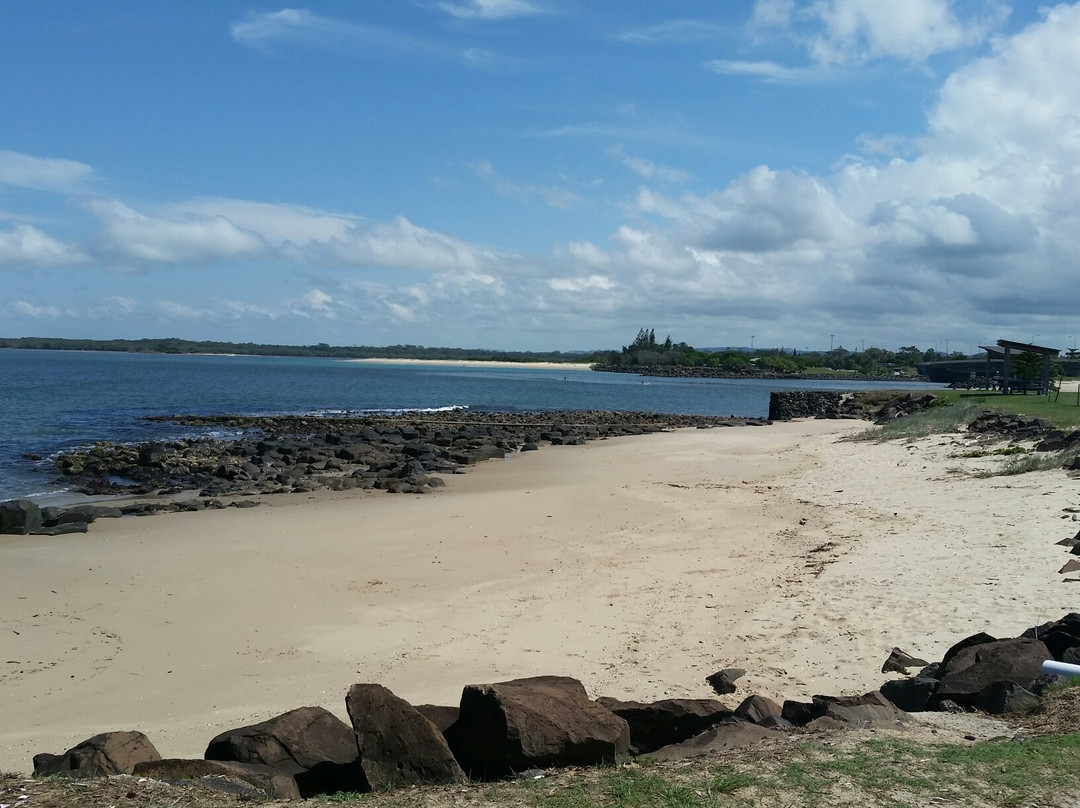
pixel 1060 668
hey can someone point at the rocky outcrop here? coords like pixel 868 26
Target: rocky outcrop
pixel 1010 425
pixel 100 756
pixel 296 454
pixel 397 745
pixel 20 517
pixel 541 722
pixel 974 668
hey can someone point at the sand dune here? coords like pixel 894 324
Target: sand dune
pixel 638 565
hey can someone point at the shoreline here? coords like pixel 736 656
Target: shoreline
pixel 475 363
pixel 637 564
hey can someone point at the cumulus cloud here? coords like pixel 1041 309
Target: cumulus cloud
pixel 840 32
pixel 491 9
pixel 23 244
pixel 139 238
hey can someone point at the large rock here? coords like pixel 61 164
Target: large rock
pixel 19 517
pixel 310 744
pixel 398 746
pixel 899 662
pixel 539 722
pixel 758 710
pixel 729 735
pixel 442 717
pixel 973 668
pixel 103 755
pixel 981 638
pixel 1058 635
pixel 268 782
pixel 870 710
pixel 911 695
pixel 662 723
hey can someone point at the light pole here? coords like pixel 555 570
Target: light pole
pixel 831 341
pixel 751 343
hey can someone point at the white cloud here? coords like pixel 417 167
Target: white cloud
pixel 767 71
pixel 30 310
pixel 43 173
pixel 553 196
pixel 844 32
pixel 173 310
pixel 264 29
pixel 681 30
pixel 24 244
pixel 647 168
pixel 587 253
pixel 586 284
pixel 276 224
pixel 491 9
pixel 139 238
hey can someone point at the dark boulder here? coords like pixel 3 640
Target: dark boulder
pixel 19 517
pixel 1004 697
pixel 911 695
pixel 971 669
pixel 758 709
pixel 310 744
pixel 1058 635
pixel 539 722
pixel 266 781
pixel 975 639
pixel 868 710
pixel 723 682
pixel 899 662
pixel 398 746
pixel 662 723
pixel 442 717
pixel 100 756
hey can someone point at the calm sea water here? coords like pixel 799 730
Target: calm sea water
pixel 56 400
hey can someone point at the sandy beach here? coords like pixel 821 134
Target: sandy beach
pixel 639 565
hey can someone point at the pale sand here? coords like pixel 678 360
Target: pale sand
pixel 476 363
pixel 638 565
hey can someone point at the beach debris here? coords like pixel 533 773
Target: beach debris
pixel 723 681
pixel 397 745
pixel 538 722
pixel 899 662
pixel 102 755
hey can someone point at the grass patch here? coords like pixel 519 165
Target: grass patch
pixel 933 421
pixel 1004 451
pixel 1063 413
pixel 1035 462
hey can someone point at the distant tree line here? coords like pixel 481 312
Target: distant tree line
pixel 645 350
pixel 183 346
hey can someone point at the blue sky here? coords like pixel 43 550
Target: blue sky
pixel 542 174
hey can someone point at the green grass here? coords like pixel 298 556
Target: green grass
pixel 1063 413
pixel 949 417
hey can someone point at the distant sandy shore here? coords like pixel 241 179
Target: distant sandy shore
pixel 474 363
pixel 639 565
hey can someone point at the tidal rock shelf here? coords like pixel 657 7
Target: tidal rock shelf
pixel 296 454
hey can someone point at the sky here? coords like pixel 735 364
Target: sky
pixel 542 174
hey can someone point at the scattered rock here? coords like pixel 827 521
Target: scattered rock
pixel 723 682
pixel 758 710
pixel 100 756
pixel 729 735
pixel 899 662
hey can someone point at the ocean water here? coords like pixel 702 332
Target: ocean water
pixel 53 401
